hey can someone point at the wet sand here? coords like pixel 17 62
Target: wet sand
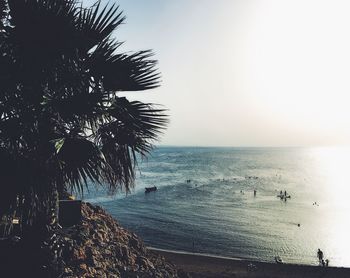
pixel 209 266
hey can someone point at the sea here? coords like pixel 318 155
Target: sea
pixel 205 202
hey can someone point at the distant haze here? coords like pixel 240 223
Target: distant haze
pixel 247 73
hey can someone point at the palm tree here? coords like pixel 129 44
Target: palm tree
pixel 62 122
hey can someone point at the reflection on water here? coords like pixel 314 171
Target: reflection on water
pixel 213 213
pixel 334 165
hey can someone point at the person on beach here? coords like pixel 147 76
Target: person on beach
pixel 320 255
pixel 254 192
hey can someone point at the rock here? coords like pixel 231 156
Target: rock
pixel 100 247
pixel 68 271
pixel 79 254
pixel 83 267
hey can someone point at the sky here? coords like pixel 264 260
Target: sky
pixel 246 73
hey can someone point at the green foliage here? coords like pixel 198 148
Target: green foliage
pixel 61 120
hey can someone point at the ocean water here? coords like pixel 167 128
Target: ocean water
pixel 216 212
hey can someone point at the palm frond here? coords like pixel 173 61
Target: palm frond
pixel 136 124
pixel 122 72
pixel 80 161
pixel 132 129
pixel 97 24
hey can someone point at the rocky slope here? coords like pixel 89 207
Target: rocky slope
pixel 100 247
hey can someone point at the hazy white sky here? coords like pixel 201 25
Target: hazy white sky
pixel 247 73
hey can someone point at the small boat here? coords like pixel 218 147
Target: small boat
pixel 278 260
pixel 150 189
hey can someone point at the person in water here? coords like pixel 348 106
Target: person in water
pixel 254 192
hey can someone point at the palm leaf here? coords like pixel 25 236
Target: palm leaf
pixel 80 161
pixel 122 72
pixel 97 25
pixel 132 128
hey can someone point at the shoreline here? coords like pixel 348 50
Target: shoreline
pixel 197 254
pixel 205 265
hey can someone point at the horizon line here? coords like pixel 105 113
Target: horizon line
pixel 253 146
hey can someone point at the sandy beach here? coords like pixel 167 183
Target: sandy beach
pixel 209 266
